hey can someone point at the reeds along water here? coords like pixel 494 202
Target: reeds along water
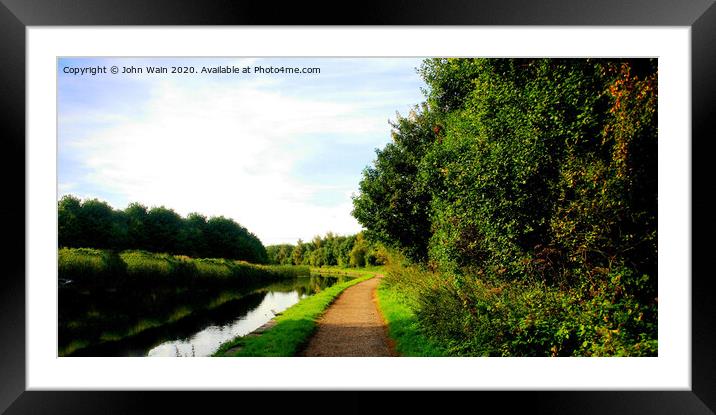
pixel 106 296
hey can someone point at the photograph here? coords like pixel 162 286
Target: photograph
pixel 427 206
pixel 213 201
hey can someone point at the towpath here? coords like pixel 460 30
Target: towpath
pixel 352 325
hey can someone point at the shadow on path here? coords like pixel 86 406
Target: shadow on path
pixel 352 326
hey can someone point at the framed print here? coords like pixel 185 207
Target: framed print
pixel 261 123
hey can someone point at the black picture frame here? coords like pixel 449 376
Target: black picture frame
pixel 16 15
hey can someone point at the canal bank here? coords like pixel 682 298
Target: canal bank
pixel 292 329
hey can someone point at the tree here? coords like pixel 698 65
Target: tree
pixel 69 225
pixel 227 239
pixel 533 202
pixel 163 230
pixel 136 215
pixel 96 224
pixel 284 254
pixel 392 204
pixel 343 249
pixel 521 168
pixel 297 254
pixel 280 254
pixel 358 252
pixel 329 248
pixel 193 238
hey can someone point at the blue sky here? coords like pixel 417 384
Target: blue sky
pixel 279 153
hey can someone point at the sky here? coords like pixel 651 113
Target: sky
pixel 280 153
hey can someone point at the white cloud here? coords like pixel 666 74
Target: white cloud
pixel 225 150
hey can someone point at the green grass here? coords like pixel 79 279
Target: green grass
pixel 293 328
pixel 96 264
pixel 332 270
pixel 146 263
pixel 88 263
pixel 403 326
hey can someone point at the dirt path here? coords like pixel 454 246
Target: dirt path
pixel 352 325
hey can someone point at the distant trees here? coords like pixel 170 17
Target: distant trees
pixel 91 222
pixel 358 252
pixel 94 224
pixel 280 254
pixel 68 218
pixel 331 249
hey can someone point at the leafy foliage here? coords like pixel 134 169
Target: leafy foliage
pixel 94 224
pixel 392 204
pixel 537 180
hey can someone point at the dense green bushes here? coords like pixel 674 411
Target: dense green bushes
pixel 528 188
pixel 93 223
pixel 472 316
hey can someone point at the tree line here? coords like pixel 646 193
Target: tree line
pixel 95 224
pixel 527 172
pixel 331 249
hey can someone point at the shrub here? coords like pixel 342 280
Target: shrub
pixel 534 182
pixel 472 317
pixel 213 268
pixel 147 264
pixel 85 264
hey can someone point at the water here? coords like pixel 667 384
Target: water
pixel 208 340
pixel 202 329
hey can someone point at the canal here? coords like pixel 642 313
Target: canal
pixel 198 328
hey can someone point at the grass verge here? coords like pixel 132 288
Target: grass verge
pixel 293 328
pixel 403 325
pixel 101 266
pixel 333 270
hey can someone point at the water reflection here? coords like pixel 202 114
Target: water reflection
pixel 195 327
pixel 208 340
